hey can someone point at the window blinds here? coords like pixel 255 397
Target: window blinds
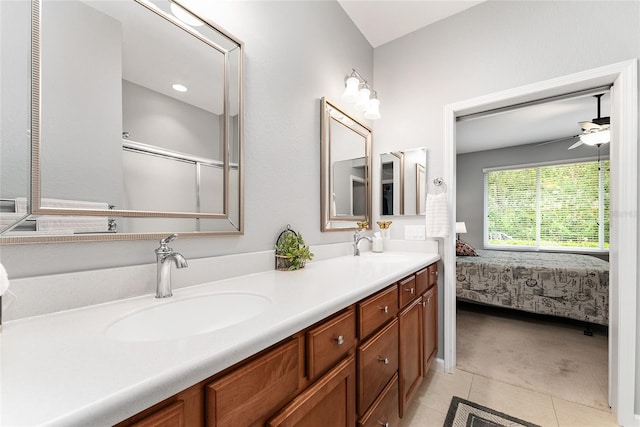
pixel 552 206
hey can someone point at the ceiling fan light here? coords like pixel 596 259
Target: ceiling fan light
pixel 596 138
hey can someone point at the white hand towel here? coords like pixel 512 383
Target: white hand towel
pixel 72 224
pixel 4 280
pixel 437 215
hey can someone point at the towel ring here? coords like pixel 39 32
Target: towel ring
pixel 439 182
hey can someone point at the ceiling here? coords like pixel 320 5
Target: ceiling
pixel 381 21
pixel 539 123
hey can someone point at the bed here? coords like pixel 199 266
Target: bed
pixel 567 285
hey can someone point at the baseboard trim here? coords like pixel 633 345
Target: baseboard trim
pixel 438 365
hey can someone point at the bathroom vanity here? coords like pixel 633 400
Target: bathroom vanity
pixel 343 342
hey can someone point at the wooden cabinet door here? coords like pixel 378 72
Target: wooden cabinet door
pixel 430 326
pixel 171 416
pixel 411 348
pixel 252 393
pixel 377 361
pixel 183 409
pixel 331 401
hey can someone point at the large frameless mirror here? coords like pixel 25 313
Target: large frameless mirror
pixel 345 169
pixel 403 182
pixel 124 121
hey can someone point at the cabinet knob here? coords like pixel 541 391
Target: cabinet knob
pixel 428 300
pixel 383 360
pixel 339 339
pixel 410 290
pixel 383 424
pixel 384 309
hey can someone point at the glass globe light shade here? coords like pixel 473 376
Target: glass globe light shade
pixel 350 93
pixel 373 110
pixel 363 99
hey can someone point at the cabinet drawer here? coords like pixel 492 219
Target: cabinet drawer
pixel 328 342
pixel 407 290
pixel 251 394
pixel 376 310
pixel 377 364
pixel 384 411
pixel 433 274
pixel 422 281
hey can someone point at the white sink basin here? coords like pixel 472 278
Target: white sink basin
pixel 180 318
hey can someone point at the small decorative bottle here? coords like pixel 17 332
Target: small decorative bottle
pixel 384 229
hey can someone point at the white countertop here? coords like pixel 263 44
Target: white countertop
pixel 63 369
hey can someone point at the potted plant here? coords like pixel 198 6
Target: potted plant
pixel 291 251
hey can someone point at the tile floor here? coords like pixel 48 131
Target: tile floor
pixel 430 406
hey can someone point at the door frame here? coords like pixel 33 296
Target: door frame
pixel 624 214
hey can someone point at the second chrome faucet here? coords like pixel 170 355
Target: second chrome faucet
pixel 164 256
pixel 356 239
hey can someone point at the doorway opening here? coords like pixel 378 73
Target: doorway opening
pixel 624 215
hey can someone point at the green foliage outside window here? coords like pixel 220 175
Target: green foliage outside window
pixel 550 206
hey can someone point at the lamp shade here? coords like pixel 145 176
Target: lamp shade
pixel 373 110
pixel 595 138
pixel 350 93
pixel 363 99
pixel 461 227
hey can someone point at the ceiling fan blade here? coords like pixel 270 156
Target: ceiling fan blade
pixel 577 144
pixel 589 126
pixel 551 141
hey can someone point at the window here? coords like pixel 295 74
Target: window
pixel 560 206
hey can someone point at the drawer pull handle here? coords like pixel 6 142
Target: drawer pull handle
pixel 339 339
pixel 384 309
pixel 410 290
pixel 383 360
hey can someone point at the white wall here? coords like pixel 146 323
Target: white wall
pixel 295 53
pixel 160 120
pixel 494 46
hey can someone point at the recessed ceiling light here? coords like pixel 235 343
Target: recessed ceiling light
pixel 178 87
pixel 185 16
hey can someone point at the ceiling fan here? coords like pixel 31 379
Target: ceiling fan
pixel 596 132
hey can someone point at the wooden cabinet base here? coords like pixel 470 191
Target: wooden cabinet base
pixel 331 401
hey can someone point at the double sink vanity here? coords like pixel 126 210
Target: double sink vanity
pixel 351 334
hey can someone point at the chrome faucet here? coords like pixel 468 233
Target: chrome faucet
pixel 356 239
pixel 164 256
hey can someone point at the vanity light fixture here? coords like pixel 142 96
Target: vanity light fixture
pixel 179 88
pixel 184 16
pixel 359 91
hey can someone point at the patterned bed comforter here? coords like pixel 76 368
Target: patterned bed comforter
pixel 567 285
